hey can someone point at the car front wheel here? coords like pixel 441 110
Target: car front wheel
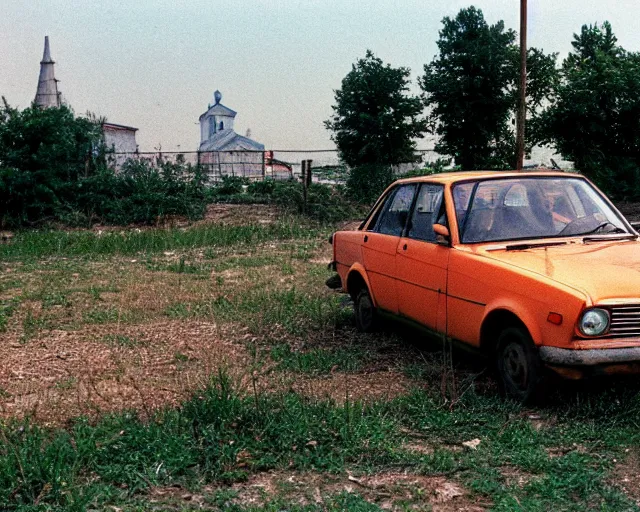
pixel 518 364
pixel 365 312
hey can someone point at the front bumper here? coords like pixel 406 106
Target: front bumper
pixel 589 357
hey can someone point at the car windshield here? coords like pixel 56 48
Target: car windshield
pixel 536 207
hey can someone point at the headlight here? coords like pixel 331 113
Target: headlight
pixel 594 322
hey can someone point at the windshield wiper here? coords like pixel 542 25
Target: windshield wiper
pixel 615 229
pixel 522 247
pixel 603 238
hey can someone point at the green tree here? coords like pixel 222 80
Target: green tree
pixel 52 169
pixel 43 152
pixel 375 118
pixel 471 90
pixel 594 117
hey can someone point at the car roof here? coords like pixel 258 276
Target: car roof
pixel 453 177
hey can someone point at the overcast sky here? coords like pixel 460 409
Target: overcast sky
pixel 155 64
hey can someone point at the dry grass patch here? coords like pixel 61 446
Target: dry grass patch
pixel 626 474
pixel 388 490
pixel 105 368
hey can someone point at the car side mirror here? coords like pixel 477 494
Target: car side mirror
pixel 442 234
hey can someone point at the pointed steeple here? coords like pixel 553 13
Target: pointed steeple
pixel 47 94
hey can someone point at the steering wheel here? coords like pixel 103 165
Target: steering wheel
pixel 580 225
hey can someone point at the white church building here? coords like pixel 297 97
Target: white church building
pixel 217 133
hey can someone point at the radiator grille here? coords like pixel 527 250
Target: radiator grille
pixel 625 321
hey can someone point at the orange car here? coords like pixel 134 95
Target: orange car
pixel 536 269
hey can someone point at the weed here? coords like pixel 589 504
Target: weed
pixel 292 310
pixel 7 308
pixel 120 340
pixel 180 357
pixel 67 383
pixel 31 324
pixel 287 269
pixel 55 298
pixel 108 315
pixel 40 244
pixel 319 361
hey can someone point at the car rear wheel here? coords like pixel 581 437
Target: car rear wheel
pixel 365 312
pixel 518 364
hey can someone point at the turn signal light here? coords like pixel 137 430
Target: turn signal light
pixel 555 318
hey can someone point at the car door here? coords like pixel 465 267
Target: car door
pixel 380 244
pixel 421 262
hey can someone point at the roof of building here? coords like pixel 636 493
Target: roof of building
pixel 119 127
pixel 228 140
pixel 47 94
pixel 219 110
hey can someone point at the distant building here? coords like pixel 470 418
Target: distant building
pixel 47 94
pixel 117 137
pixel 216 130
pixel 120 138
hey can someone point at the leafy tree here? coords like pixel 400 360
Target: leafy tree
pixel 375 118
pixel 472 90
pixel 594 117
pixel 52 169
pixel 42 153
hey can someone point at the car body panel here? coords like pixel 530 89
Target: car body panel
pixel 421 280
pixel 603 270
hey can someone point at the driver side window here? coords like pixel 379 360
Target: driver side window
pixel 429 210
pixel 395 212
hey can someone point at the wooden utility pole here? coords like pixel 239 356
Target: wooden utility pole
pixel 522 103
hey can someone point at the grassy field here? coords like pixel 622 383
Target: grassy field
pixel 208 368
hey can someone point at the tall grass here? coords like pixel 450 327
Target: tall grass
pixel 218 436
pixel 293 310
pixel 38 244
pixel 222 435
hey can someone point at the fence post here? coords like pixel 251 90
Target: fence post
pixel 304 185
pixel 308 176
pixel 264 167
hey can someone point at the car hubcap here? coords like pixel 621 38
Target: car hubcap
pixel 515 365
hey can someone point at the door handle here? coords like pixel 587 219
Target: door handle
pixel 404 247
pixel 366 238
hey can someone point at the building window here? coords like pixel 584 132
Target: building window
pixel 221 125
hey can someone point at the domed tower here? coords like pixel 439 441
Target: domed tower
pixel 217 118
pixel 216 129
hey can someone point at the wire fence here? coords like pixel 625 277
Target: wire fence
pixel 326 165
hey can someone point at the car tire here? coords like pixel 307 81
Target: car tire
pixel 365 312
pixel 518 365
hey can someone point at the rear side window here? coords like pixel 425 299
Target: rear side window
pixel 394 214
pixel 429 210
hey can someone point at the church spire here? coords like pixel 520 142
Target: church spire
pixel 47 94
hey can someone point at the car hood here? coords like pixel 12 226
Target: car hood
pixel 605 271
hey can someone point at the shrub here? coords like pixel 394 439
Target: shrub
pixel 260 188
pixel 325 203
pixel 142 193
pixel 53 169
pixel 231 185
